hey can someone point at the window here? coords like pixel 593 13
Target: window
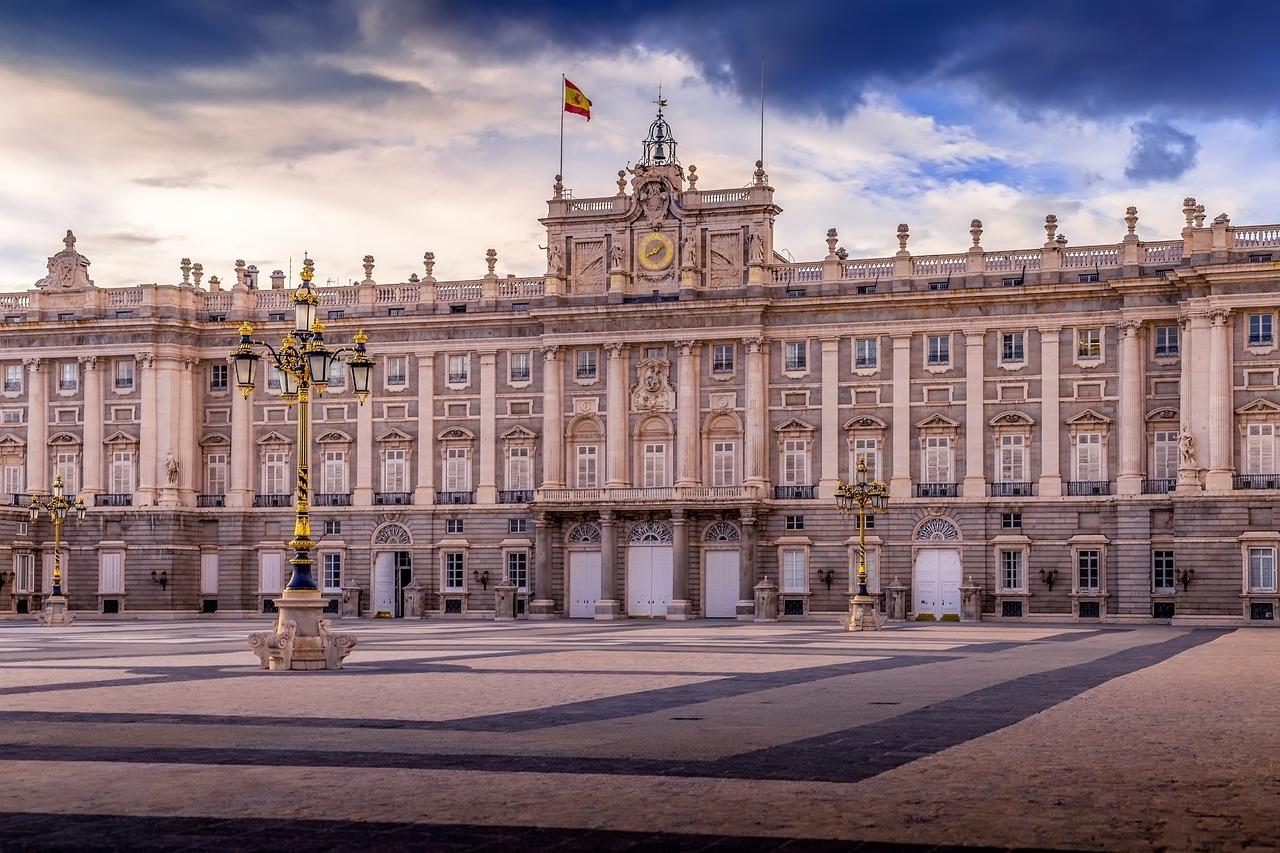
pixel 588 466
pixel 459 369
pixel 275 467
pixel 1164 455
pixel 1088 565
pixel 796 355
pixel 1086 277
pixel 1162 571
pixel 13 416
pixel 395 312
pixel 655 352
pixel 655 464
pixel 453 571
pixel 866 354
pixel 67 464
pixel 457 469
pixel 1011 520
pixel 14 477
pixel 121 472
pixel 517 525
pixel 1260 449
pixel 795 574
pixel 1088 343
pixel 722 358
pixel 24 569
pixel 795 462
pixel 939 350
pixel 13 378
pixel 123 369
pixel 518 569
pixel 273 378
pixel 518 367
pixel 1089 456
pixel 519 469
pixel 1166 341
pixel 218 377
pixel 68 376
pixel 586 362
pixel 1260 332
pixel 939 285
pixel 1012 459
pixel 723 468
pixel 453 525
pixel 395 471
pixel 332 572
pixel 215 474
pixel 333 474
pixel 1011 570
pixel 337 375
pixel 396 370
pixel 795 522
pixel 1013 347
pixel 333 528
pixel 1262 569
pixel 937 459
pixel 867 449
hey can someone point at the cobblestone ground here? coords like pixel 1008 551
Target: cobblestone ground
pixel 633 736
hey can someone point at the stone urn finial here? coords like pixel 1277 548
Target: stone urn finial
pixel 185 266
pixel 1131 223
pixel 1199 217
pixel 693 178
pixel 622 181
pixel 557 189
pixel 904 234
pixel 975 232
pixel 491 259
pixel 1189 209
pixel 1061 240
pixel 197 273
pixel 367 262
pixel 429 263
pixel 1050 229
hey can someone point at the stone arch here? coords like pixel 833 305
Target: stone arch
pixel 584 533
pixel 722 531
pixel 392 533
pixel 936 529
pixel 650 533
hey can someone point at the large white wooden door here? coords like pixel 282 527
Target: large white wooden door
pixel 584 583
pixel 924 583
pixel 722 585
pixel 649 579
pixel 949 582
pixel 384 584
pixel 663 581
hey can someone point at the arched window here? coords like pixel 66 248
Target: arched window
pixel 584 534
pixel 722 531
pixel 391 534
pixel 938 529
pixel 650 533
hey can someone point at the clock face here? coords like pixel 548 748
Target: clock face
pixel 656 251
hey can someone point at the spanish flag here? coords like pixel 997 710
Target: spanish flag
pixel 575 102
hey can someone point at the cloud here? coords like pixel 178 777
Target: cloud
pixel 1160 152
pixel 194 179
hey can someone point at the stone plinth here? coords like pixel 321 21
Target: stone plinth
pixel 504 602
pixel 970 602
pixel 55 612
pixel 680 609
pixel 766 601
pixel 896 597
pixel 862 614
pixel 608 609
pixel 302 639
pixel 542 608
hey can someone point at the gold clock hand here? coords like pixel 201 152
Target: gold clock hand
pixel 655 250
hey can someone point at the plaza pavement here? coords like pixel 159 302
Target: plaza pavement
pixel 654 736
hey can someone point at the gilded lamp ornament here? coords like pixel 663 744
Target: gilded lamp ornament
pixel 857 497
pixel 57 507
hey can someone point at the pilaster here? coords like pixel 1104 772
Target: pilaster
pixel 830 419
pixel 424 492
pixel 240 493
pixel 1132 425
pixel 487 489
pixel 1221 470
pixel 92 472
pixel 37 426
pixel 1050 484
pixel 757 413
pixel 362 494
pixel 148 440
pixel 552 419
pixel 679 607
pixel 616 419
pixel 607 606
pixel 900 482
pixel 687 416
pixel 975 431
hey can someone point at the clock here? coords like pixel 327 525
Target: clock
pixel 657 251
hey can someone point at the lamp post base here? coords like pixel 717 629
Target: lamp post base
pixel 55 613
pixel 302 639
pixel 862 614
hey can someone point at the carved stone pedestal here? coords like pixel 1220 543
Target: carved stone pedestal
pixel 766 601
pixel 862 614
pixel 607 609
pixel 896 597
pixel 302 639
pixel 679 609
pixel 55 613
pixel 504 602
pixel 970 602
pixel 169 497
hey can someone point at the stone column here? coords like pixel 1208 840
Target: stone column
pixel 757 414
pixel 1188 471
pixel 37 427
pixel 148 439
pixel 543 605
pixel 1199 368
pixel 900 483
pixel 607 607
pixel 168 433
pixel 240 491
pixel 746 607
pixel 1132 424
pixel 424 492
pixel 92 475
pixel 1221 470
pixel 188 449
pixel 975 428
pixel 830 419
pixel 616 418
pixel 365 450
pixel 687 416
pixel 487 488
pixel 1050 484
pixel 679 607
pixel 552 419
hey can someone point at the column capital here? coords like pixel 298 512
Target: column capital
pixel 678 516
pixel 753 344
pixel 615 349
pixel 975 337
pixel 33 365
pixel 88 362
pixel 607 518
pixel 551 352
pixel 686 347
pixel 1129 327
pixel 488 358
pixel 830 342
pixel 902 341
pixel 1050 333
pixel 145 359
pixel 426 359
pixel 1219 316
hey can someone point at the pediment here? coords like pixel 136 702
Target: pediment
pixel 865 422
pixel 274 437
pixel 1012 419
pixel 938 421
pixel 334 436
pixel 794 425
pixel 64 438
pixel 11 440
pixel 394 434
pixel 1088 416
pixel 1258 407
pixel 120 437
pixel 214 440
pixel 1165 414
pixel 519 433
pixel 456 434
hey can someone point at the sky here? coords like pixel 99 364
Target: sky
pixel 226 129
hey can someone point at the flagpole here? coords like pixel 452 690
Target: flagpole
pixel 560 174
pixel 762 108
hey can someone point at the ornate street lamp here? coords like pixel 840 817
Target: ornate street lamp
pixel 56 507
pixel 304 362
pixel 851 498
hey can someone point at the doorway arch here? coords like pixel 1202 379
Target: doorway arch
pixel 936 569
pixel 650 576
pixel 391 571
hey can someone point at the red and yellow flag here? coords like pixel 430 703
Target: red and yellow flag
pixel 575 102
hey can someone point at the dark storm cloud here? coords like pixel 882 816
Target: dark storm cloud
pixel 1160 152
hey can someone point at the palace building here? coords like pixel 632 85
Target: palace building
pixel 657 423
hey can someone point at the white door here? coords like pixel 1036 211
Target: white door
pixel 384 584
pixel 663 582
pixel 584 583
pixel 949 581
pixel 722 585
pixel 924 584
pixel 649 580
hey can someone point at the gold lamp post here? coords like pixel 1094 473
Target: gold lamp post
pixel 851 498
pixel 56 507
pixel 304 362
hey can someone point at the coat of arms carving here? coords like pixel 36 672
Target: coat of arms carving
pixel 653 391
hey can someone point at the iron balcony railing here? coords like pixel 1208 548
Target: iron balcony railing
pixel 455 497
pixel 333 499
pixel 936 490
pixel 1088 488
pixel 113 500
pixel 12 386
pixel 794 493
pixel 1256 481
pixel 1158 486
pixel 274 501
pixel 1011 490
pixel 515 496
pixel 211 500
pixel 392 498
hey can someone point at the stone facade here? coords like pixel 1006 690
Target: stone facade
pixel 658 423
